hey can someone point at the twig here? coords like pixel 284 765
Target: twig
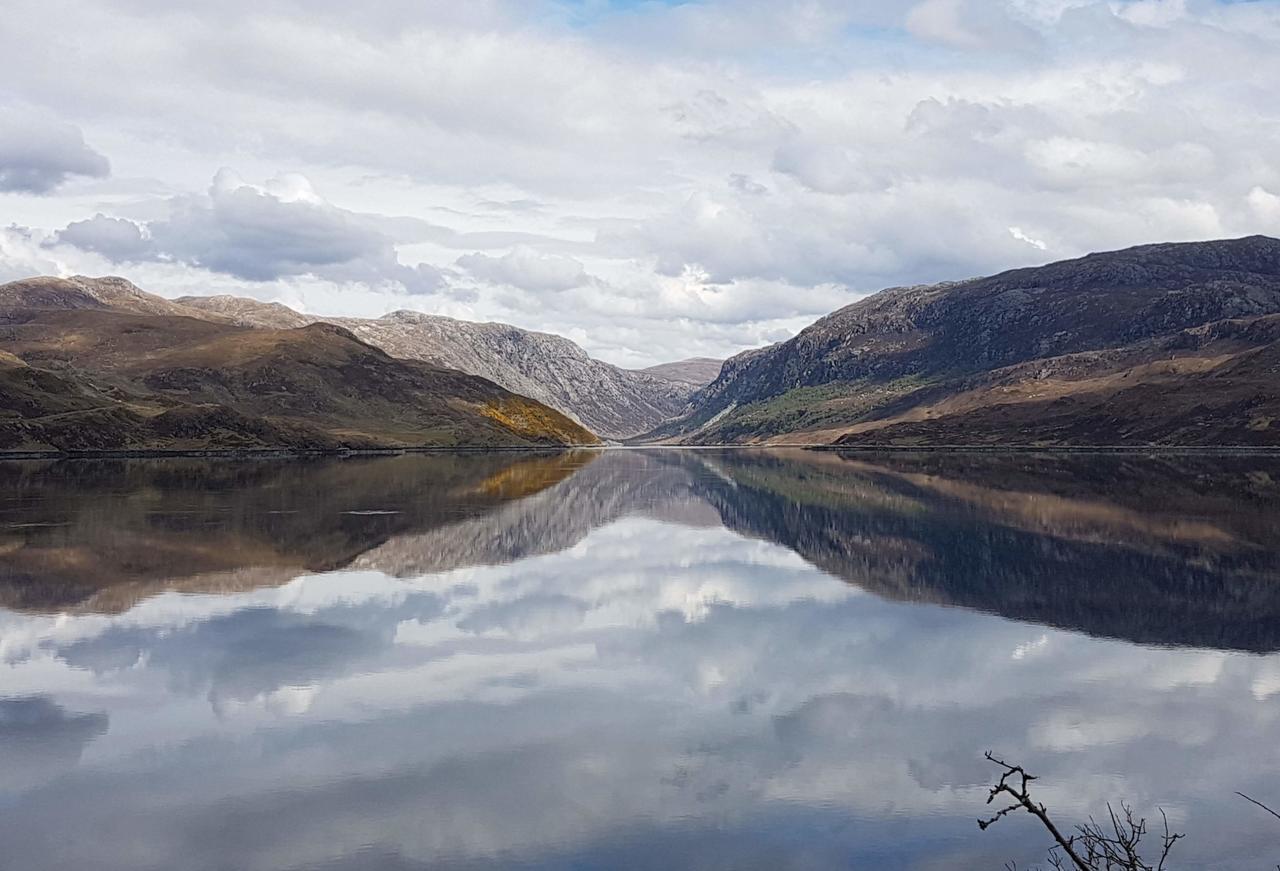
pixel 1259 804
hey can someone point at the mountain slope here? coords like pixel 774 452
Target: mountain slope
pixel 616 403
pixel 86 375
pixel 697 372
pixel 1164 344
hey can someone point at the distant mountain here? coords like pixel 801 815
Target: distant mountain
pixel 1160 344
pixel 696 372
pixel 616 403
pixel 99 364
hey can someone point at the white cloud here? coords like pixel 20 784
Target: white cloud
pixel 969 24
pixel 1266 206
pixel 712 172
pixel 1016 232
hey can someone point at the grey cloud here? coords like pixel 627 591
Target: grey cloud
pixel 259 233
pixel 38 154
pixel 117 239
pixel 525 268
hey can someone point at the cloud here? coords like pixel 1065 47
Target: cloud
pixel 969 24
pixel 38 154
pixel 697 161
pixel 826 168
pixel 22 256
pixel 1266 206
pixel 1017 233
pixel 259 233
pixel 117 239
pixel 525 268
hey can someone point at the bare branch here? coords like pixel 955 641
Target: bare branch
pixel 1259 804
pixel 1117 847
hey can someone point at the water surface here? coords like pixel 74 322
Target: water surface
pixel 630 659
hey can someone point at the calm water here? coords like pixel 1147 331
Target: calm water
pixel 630 659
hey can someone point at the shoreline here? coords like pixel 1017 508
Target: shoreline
pixel 301 453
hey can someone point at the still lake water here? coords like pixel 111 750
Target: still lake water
pixel 630 659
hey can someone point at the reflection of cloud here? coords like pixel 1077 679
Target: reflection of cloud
pixel 40 739
pixel 248 654
pixel 1030 648
pixel 531 616
pixel 650 695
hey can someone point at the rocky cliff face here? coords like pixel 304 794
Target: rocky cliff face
pixel 612 402
pixel 1076 332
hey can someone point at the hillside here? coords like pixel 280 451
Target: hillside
pixel 616 403
pixel 84 373
pixel 1161 344
pixel 697 372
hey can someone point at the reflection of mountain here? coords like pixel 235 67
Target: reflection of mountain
pixel 617 485
pixel 101 535
pixel 1163 551
pixel 1170 551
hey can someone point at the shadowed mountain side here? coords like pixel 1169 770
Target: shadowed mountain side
pixel 159 380
pixel 1188 554
pixel 103 535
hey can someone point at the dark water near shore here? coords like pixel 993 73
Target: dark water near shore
pixel 631 659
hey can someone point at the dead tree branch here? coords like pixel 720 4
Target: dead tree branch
pixel 1110 846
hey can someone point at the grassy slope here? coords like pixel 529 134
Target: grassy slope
pixel 128 380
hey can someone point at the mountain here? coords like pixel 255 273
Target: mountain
pixel 1160 344
pixel 616 403
pixel 696 372
pixel 94 365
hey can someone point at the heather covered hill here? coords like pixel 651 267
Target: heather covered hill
pixel 1160 344
pixel 85 374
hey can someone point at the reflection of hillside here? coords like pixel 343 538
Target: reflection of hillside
pixel 1169 550
pixel 1163 551
pixel 102 535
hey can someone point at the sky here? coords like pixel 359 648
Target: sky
pixel 654 180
